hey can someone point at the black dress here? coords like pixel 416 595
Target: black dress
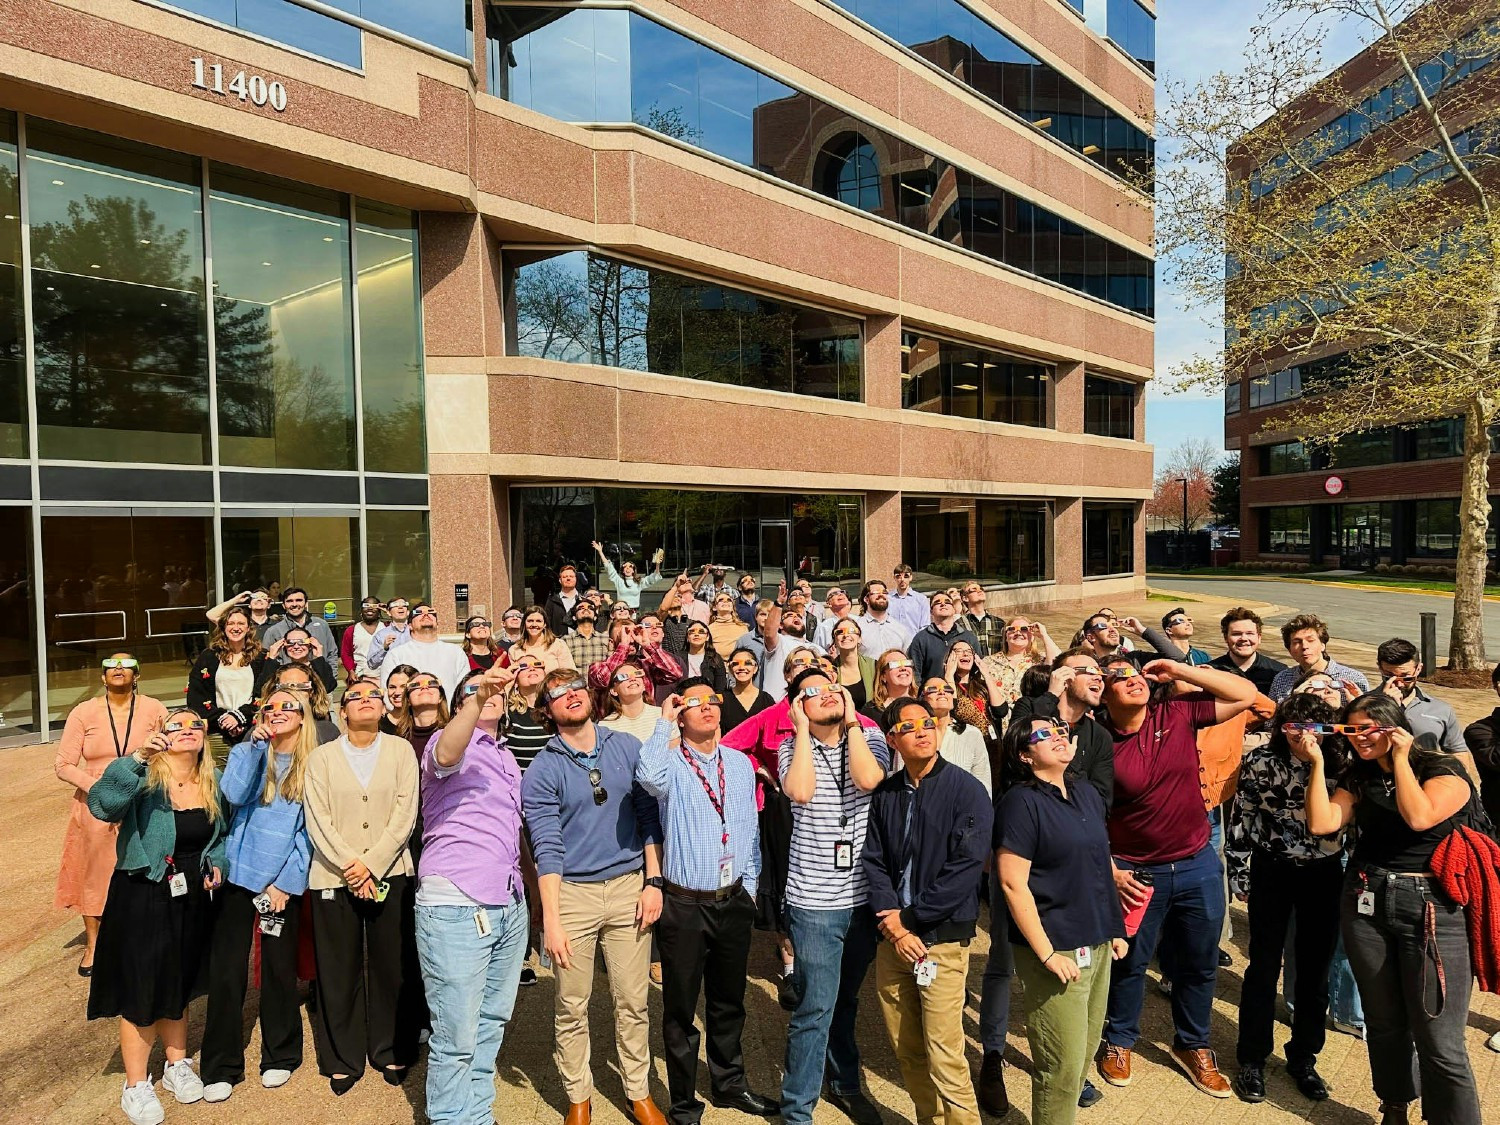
pixel 732 712
pixel 151 958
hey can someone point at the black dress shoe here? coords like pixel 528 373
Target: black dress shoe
pixel 341 1086
pixel 1308 1080
pixel 1225 960
pixel 789 990
pixel 1250 1083
pixel 395 1075
pixel 992 1096
pixel 857 1108
pixel 1090 1095
pixel 746 1101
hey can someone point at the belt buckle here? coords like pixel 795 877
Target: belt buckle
pixel 723 893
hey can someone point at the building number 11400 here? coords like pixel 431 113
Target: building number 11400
pixel 252 88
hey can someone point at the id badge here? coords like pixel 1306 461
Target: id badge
pixel 270 925
pixel 178 885
pixel 1365 903
pixel 726 872
pixel 843 855
pixel 482 922
pixel 1085 956
pixel 925 971
pixel 328 894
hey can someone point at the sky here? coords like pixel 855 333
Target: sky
pixel 1196 38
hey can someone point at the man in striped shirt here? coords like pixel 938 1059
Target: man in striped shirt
pixel 828 768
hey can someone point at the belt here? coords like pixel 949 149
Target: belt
pixel 720 895
pixel 1371 869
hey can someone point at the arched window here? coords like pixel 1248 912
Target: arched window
pixel 856 175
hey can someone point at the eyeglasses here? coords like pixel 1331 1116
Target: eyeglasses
pixel 424 611
pixel 1408 679
pixel 425 684
pixel 1317 685
pixel 742 664
pixel 512 620
pixel 368 693
pixel 802 662
pixel 1102 626
pixel 525 665
pixel 1179 621
pixel 906 727
pixel 1121 672
pixel 470 688
pixel 1309 728
pixel 894 665
pixel 303 643
pixel 1361 731
pixel 1046 734
pixel 813 691
pixel 601 794
pixel 120 662
pixel 626 677
pixel 479 624
pixel 284 705
pixel 1018 631
pixel 184 724
pixel 941 601
pixel 399 603
pixel 298 685
pixel 938 689
pixel 566 689
pixel 703 700
pixel 1087 670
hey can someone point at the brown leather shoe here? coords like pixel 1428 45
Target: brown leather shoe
pixel 1114 1065
pixel 646 1113
pixel 1203 1069
pixel 579 1113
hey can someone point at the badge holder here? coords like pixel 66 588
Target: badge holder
pixel 177 880
pixel 925 970
pixel 1364 903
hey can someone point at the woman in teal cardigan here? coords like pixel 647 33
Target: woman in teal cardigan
pixel 154 933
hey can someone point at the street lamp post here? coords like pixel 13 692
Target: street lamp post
pixel 1184 482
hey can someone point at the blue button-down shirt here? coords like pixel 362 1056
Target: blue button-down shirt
pixel 692 829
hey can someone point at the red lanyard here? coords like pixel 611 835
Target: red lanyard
pixel 717 802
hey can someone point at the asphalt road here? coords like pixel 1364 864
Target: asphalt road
pixel 1366 616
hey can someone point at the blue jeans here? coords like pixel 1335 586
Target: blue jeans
pixel 834 949
pixel 994 993
pixel 1187 911
pixel 471 992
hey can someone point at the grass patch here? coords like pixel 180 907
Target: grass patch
pixel 1436 585
pixel 1151 597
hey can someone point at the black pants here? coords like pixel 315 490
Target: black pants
pixel 370 999
pixel 228 971
pixel 1280 889
pixel 704 947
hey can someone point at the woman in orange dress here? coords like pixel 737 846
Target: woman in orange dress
pixel 98 731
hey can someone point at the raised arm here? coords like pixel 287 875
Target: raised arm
pixel 1232 694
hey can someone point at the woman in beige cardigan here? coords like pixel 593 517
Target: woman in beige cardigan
pixel 361 804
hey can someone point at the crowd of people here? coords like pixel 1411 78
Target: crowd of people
pixel 868 778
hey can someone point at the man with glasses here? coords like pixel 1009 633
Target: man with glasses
pixel 397 632
pixel 1400 675
pixel 839 607
pixel 1241 628
pixel 929 837
pixel 907 606
pixel 878 630
pixel 1178 627
pixel 596 838
pixel 1101 635
pixel 584 644
pixel 980 621
pixel 639 644
pixel 423 651
pixel 1158 830
pixel 711 863
pixel 828 769
pixel 929 648
pixel 294 603
pixel 354 645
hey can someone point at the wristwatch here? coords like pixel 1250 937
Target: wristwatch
pixel 656 881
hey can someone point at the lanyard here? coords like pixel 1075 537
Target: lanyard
pixel 717 802
pixel 129 722
pixel 843 780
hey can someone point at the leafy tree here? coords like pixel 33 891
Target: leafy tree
pixel 1374 234
pixel 1192 461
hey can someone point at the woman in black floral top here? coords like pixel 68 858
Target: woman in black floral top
pixel 1283 872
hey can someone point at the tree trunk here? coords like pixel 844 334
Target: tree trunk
pixel 1466 642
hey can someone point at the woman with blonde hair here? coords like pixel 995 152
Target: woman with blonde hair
pixel 221 683
pixel 625 705
pixel 894 678
pixel 1027 644
pixel 724 625
pixel 99 731
pixel 298 676
pixel 269 854
pixel 537 639
pixel 165 797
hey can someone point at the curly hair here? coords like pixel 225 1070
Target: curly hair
pixel 218 643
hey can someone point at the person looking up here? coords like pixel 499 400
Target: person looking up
pixel 354 645
pixel 423 650
pixel 1178 627
pixel 929 648
pixel 878 629
pixel 221 683
pixel 586 645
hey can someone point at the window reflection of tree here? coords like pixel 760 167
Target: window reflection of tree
pixel 12 346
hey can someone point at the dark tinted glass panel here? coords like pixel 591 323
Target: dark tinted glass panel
pixel 117 299
pixel 1108 539
pixel 12 314
pixel 136 584
pixel 18 683
pixel 1286 530
pixel 390 339
pixel 769 535
pixel 284 22
pixel 1134 30
pixel 1108 407
pixel 941 377
pixel 585 308
pixel 283 324
pixel 949 538
pixel 1360 530
pixel 442 23
pixel 314 552
pixel 399 555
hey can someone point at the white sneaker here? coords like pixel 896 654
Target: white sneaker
pixel 182 1082
pixel 141 1105
pixel 270 1079
pixel 217 1092
pixel 1493 1042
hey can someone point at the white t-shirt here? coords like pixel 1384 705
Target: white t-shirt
pixel 233 687
pixel 446 661
pixel 643 726
pixel 361 646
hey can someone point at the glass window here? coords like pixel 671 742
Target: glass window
pixel 18 668
pixel 282 21
pixel 857 176
pixel 123 583
pixel 1108 407
pixel 117 299
pixel 1134 30
pixel 1108 539
pixel 390 339
pixel 315 552
pixel 947 538
pixel 771 535
pixel 398 553
pixel 442 23
pixel 1437 530
pixel 1284 457
pixel 283 323
pixel 12 312
pixel 1369 447
pixel 581 307
pixel 1232 392
pixel 1442 437
pixel 1286 530
pixel 1360 529
pixel 942 377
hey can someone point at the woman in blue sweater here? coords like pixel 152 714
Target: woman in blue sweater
pixel 269 854
pixel 157 918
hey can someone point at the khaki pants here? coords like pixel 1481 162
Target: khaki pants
pixel 602 915
pixel 1063 1025
pixel 926 1026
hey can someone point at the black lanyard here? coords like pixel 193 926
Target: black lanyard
pixel 843 780
pixel 129 722
pixel 717 802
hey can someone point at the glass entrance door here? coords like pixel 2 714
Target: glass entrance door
pixel 775 553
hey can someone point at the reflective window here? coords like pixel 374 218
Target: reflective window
pixel 283 327
pixel 398 554
pixel 771 535
pixel 315 552
pixel 18 666
pixel 1286 530
pixel 282 21
pixel 12 311
pixel 1442 437
pixel 117 299
pixel 1284 457
pixel 589 65
pixel 941 377
pixel 1360 529
pixel 1133 30
pixel 1368 447
pixel 582 307
pixel 950 538
pixel 1232 392
pixel 123 583
pixel 442 23
pixel 1108 539
pixel 1109 407
pixel 390 339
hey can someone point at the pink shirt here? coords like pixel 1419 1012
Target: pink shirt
pixel 761 737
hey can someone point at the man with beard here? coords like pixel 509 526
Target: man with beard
pixel 354 646
pixel 389 636
pixel 424 652
pixel 878 630
pixel 1101 635
pixel 584 644
pixel 563 600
